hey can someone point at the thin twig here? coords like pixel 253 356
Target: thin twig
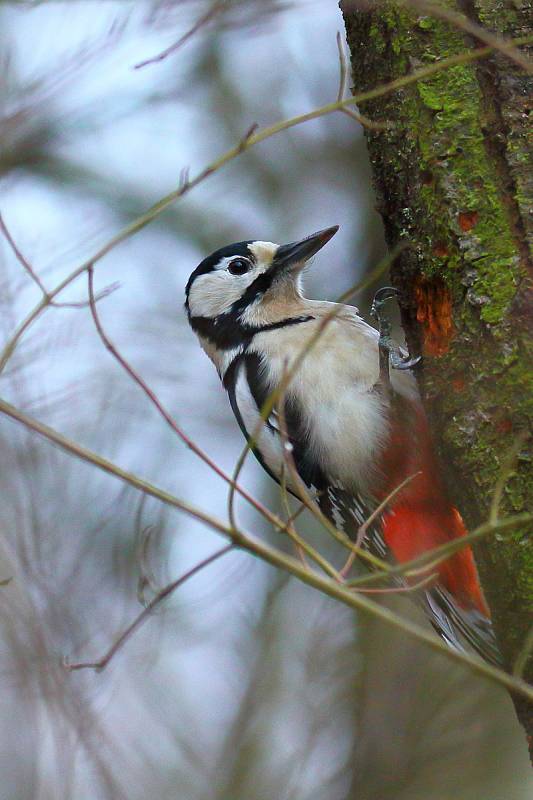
pixel 524 655
pixel 187 441
pixel 138 224
pixel 247 136
pixel 413 587
pixel 211 12
pixel 84 454
pixel 343 69
pixel 146 577
pixel 505 473
pixel 276 557
pixel 105 292
pixel 288 462
pixel 296 514
pixel 249 445
pixel 433 557
pixel 23 261
pixel 119 643
pixel 289 529
pixel 464 23
pixel 374 274
pixel 343 77
pixel 361 533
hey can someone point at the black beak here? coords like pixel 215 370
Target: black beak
pixel 299 252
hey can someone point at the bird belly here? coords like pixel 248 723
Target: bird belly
pixel 347 429
pixel 343 416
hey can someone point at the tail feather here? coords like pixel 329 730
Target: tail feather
pixel 455 605
pixel 467 625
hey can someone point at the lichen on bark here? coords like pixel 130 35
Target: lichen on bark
pixel 452 183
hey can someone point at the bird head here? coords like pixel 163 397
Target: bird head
pixel 248 283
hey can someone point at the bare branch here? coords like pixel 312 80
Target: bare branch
pixel 201 22
pixel 523 655
pixel 102 662
pixel 23 261
pixel 247 136
pixel 413 587
pixel 302 490
pixel 155 210
pixel 381 507
pixel 505 474
pixel 21 258
pixel 361 533
pixel 343 69
pixel 463 23
pixel 433 557
pixel 84 454
pixel 146 577
pixel 187 441
pixel 343 76
pixel 279 559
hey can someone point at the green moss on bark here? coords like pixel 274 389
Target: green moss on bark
pixel 449 183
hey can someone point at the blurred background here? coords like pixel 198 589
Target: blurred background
pixel 246 685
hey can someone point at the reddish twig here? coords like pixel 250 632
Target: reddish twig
pixel 260 136
pixel 414 587
pixel 102 663
pixel 187 441
pixel 25 264
pixel 200 23
pixel 21 258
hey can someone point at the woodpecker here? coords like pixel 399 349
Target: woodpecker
pixel 356 431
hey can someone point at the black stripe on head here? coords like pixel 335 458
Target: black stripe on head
pixel 254 292
pixel 209 264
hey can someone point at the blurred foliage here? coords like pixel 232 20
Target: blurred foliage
pixel 247 685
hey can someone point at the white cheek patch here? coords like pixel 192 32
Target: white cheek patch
pixel 215 292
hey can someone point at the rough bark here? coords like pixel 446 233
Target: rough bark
pixel 452 181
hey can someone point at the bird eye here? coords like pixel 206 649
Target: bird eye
pixel 239 266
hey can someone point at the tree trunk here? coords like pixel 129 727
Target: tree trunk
pixel 452 182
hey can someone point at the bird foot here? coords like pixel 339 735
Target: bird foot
pixel 390 353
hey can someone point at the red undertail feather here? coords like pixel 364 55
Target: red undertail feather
pixel 410 530
pixel 421 517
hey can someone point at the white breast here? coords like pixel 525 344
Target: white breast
pixel 346 417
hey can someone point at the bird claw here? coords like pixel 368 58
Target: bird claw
pixel 404 362
pixel 381 297
pixel 389 352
